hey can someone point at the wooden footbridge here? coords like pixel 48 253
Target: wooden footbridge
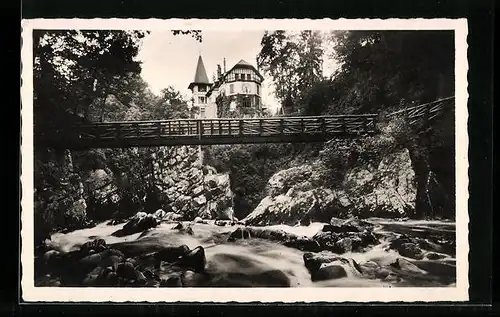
pixel 225 130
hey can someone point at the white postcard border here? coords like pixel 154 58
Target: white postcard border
pixel 30 293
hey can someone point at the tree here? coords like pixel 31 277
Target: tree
pixel 386 70
pixel 75 69
pixel 294 61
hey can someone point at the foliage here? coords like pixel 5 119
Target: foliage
pixel 73 69
pixel 294 62
pixel 383 71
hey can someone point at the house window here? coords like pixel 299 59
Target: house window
pixel 201 99
pixel 202 113
pixel 258 90
pixel 246 102
pixel 231 88
pixel 202 88
pixel 236 76
pixel 249 77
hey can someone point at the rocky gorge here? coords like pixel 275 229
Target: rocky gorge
pixel 302 233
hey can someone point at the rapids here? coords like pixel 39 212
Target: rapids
pixel 254 257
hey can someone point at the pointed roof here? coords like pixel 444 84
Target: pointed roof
pixel 243 63
pixel 200 76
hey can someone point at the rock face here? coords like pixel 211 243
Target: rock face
pixel 187 187
pixel 295 195
pixel 300 194
pixel 59 200
pixel 387 191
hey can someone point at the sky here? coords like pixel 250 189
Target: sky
pixel 170 60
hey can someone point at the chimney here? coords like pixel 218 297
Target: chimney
pixel 224 65
pixel 218 71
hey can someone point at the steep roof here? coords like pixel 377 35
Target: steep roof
pixel 200 76
pixel 243 63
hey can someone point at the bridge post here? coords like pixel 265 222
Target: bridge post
pixel 240 127
pixel 199 128
pixel 159 128
pixel 117 132
pixel 136 126
pixel 282 126
pixel 343 126
pixel 323 126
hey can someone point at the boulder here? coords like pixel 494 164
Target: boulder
pixel 328 272
pixel 139 223
pixel 435 256
pixel 172 216
pixel 160 214
pixel 92 278
pixel 127 271
pixel 313 261
pixel 326 266
pixel 171 281
pixel 407 267
pixel 94 246
pixel 200 200
pixel 194 259
pixel 408 247
pixel 198 190
pixel 345 241
pixel 171 254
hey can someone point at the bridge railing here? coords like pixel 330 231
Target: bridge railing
pixel 217 130
pixel 426 111
pixel 351 124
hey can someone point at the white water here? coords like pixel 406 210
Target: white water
pixel 248 257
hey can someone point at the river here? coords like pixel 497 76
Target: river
pixel 248 260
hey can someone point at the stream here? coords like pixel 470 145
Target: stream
pixel 257 262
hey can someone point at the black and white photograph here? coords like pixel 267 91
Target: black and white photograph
pixel 243 160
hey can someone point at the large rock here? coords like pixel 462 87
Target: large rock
pixel 387 191
pixel 408 246
pixel 327 266
pixel 140 222
pixel 293 207
pixel 343 242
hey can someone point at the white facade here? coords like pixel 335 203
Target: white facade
pixel 242 82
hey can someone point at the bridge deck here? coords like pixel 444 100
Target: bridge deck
pixel 209 131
